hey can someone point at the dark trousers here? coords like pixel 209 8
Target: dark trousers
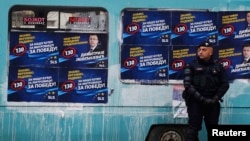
pixel 198 111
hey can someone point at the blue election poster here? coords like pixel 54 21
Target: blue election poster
pixel 144 64
pixel 83 85
pixel 234 38
pixel 194 27
pixel 179 56
pixel 33 84
pixel 75 50
pixel 34 49
pixel 146 27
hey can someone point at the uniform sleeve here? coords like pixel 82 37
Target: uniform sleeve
pixel 224 82
pixel 188 79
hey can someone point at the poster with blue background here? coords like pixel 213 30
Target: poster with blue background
pixel 194 27
pixel 75 51
pixel 33 84
pixel 146 27
pixel 144 64
pixel 179 56
pixel 83 85
pixel 233 36
pixel 34 49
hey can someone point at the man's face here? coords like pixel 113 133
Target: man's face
pixel 205 53
pixel 248 17
pixel 246 52
pixel 93 40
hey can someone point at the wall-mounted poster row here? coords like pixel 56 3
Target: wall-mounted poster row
pixel 58 54
pixel 175 35
pixel 58 49
pixel 46 84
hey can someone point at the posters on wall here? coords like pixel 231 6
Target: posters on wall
pixel 144 52
pixel 234 38
pixel 54 59
pixel 144 62
pixel 156 45
pixel 176 35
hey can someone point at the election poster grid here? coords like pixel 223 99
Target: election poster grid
pixel 50 58
pixel 158 43
pixel 58 55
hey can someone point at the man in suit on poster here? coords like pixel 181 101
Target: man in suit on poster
pixel 97 50
pixel 94 43
pixel 246 54
pixel 248 20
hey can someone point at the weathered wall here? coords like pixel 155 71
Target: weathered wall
pixel 131 109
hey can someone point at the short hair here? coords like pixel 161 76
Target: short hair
pixel 246 45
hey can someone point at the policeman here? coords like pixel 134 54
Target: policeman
pixel 205 82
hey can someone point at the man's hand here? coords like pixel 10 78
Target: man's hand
pixel 198 97
pixel 191 90
pixel 211 101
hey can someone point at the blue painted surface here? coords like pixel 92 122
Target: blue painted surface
pixel 131 109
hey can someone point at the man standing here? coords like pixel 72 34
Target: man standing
pixel 205 82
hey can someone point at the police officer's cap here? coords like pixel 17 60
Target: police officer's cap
pixel 205 44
